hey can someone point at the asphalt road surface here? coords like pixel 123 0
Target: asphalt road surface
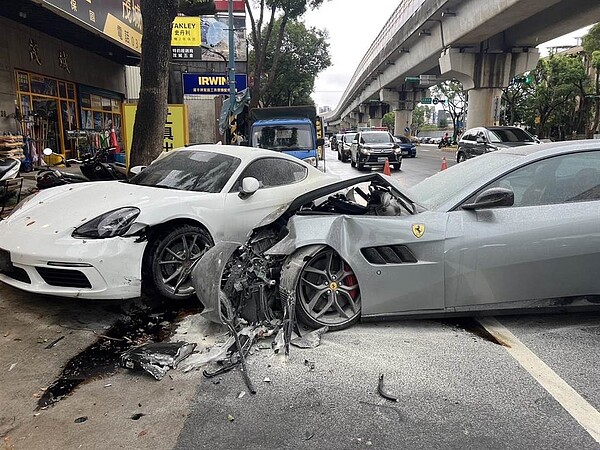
pixel 457 387
pixel 428 161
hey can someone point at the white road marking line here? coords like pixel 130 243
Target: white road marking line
pixel 584 413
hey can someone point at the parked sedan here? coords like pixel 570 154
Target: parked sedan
pixel 344 145
pixel 480 140
pixel 373 149
pixel 103 240
pixel 407 146
pixel 513 230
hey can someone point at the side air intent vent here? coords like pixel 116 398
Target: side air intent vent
pixel 64 277
pixel 389 254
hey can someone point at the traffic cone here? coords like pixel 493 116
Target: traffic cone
pixel 444 164
pixel 386 168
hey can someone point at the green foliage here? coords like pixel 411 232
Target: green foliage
pixel 591 41
pixel 418 116
pixel 389 120
pixel 304 53
pixel 269 20
pixel 456 103
pixel 559 81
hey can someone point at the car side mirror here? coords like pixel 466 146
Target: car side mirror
pixel 320 142
pixel 136 169
pixel 481 140
pixel 249 186
pixel 355 141
pixel 492 198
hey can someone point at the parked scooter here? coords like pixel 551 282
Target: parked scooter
pixel 96 167
pixel 93 167
pixel 50 177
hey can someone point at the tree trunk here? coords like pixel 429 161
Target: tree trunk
pixel 149 127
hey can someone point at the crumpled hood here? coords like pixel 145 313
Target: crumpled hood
pixel 62 208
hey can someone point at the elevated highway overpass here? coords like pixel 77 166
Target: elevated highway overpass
pixel 481 43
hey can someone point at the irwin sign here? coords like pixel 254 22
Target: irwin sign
pixel 211 83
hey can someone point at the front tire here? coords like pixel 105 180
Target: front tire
pixel 327 292
pixel 461 157
pixel 171 259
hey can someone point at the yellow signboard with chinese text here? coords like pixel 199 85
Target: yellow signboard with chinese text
pixel 176 132
pixel 185 32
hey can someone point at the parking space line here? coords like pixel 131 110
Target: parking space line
pixel 584 413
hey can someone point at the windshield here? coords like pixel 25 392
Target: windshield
pixel 348 138
pixel 510 135
pixel 442 187
pixel 284 137
pixel 376 138
pixel 191 170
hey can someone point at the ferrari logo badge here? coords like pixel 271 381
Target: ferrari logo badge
pixel 418 230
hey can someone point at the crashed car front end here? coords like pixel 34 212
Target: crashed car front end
pixel 257 280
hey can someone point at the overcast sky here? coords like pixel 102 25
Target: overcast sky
pixel 352 27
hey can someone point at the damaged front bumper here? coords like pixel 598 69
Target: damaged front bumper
pixel 207 277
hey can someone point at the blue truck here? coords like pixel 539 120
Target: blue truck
pixel 295 130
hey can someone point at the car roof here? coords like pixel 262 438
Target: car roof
pixel 375 132
pixel 553 148
pixel 240 151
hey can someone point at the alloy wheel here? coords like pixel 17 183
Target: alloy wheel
pixel 328 292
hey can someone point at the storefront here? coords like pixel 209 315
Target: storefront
pixel 61 85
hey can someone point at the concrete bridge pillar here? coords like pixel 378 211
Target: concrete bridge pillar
pixel 363 112
pixel 403 120
pixel 484 75
pixel 376 113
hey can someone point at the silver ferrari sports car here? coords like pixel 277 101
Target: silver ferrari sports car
pixel 513 230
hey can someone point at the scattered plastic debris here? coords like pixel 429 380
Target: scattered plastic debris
pixel 385 394
pixel 157 358
pixel 230 417
pixel 308 436
pixel 241 394
pixel 279 341
pixel 12 366
pixel 54 342
pixel 215 354
pixel 108 385
pixel 310 340
pixel 309 364
pixel 81 419
pixel 267 380
pixel 137 416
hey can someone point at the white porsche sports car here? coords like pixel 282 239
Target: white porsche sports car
pixel 103 240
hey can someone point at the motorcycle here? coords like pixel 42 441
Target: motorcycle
pixel 94 167
pixel 444 142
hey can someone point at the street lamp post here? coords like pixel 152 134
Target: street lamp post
pixel 231 54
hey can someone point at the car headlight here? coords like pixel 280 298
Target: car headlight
pixel 110 224
pixel 365 150
pixel 312 161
